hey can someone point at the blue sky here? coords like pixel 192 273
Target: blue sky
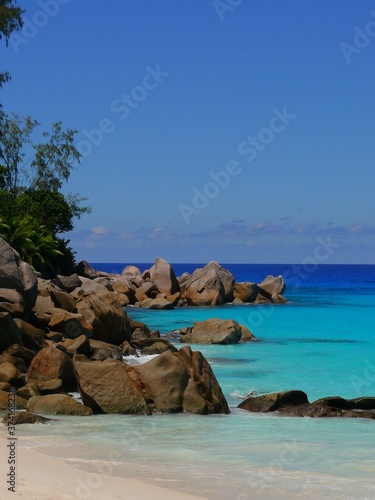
pixel 226 130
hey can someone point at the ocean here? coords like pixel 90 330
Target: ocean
pixel 322 342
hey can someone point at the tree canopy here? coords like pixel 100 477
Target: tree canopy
pixel 33 210
pixel 10 20
pixel 31 177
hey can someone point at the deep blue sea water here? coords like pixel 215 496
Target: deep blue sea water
pixel 322 342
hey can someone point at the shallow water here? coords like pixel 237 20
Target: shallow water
pixel 322 342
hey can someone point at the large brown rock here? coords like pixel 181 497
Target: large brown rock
pixel 9 332
pixel 295 404
pixel 62 300
pixel 108 387
pixel 28 391
pixel 12 301
pixel 32 337
pixel 183 280
pixel 57 404
pixel 204 288
pixel 106 351
pixel 226 278
pixel 273 401
pixel 6 400
pixel 108 321
pixel 80 345
pixel 13 360
pixel 171 382
pixel 71 325
pixel 20 351
pixel 157 303
pixel 123 286
pixel 134 275
pixel 215 331
pixel 16 275
pixel 145 291
pixel 147 346
pixel 10 374
pixel 44 309
pixel 83 268
pixel 68 283
pixel 246 291
pixel 162 274
pixel 51 363
pixel 53 386
pixel 272 285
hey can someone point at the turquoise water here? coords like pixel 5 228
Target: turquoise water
pixel 322 342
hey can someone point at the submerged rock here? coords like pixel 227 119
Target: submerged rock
pixel 24 417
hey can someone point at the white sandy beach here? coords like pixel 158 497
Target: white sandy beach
pixel 44 478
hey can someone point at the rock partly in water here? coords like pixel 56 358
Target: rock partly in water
pixel 172 382
pixel 57 404
pixel 296 404
pixel 215 331
pixel 273 401
pixel 147 346
pixel 204 288
pixel 24 417
pixel 246 291
pixel 271 286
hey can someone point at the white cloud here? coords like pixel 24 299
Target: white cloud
pixel 99 230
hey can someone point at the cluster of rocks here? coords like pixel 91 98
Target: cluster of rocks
pixel 159 288
pixel 296 404
pixel 72 334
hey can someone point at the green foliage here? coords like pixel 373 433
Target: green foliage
pixel 39 180
pixel 49 208
pixel 32 208
pixel 30 190
pixel 15 135
pixel 34 242
pixel 54 160
pixel 65 261
pixel 10 20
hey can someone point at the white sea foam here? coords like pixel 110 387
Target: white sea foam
pixel 138 360
pixel 76 396
pixel 240 395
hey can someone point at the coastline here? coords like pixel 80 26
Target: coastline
pixel 45 477
pixel 42 477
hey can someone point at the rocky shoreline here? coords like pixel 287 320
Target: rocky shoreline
pixel 159 288
pixel 72 333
